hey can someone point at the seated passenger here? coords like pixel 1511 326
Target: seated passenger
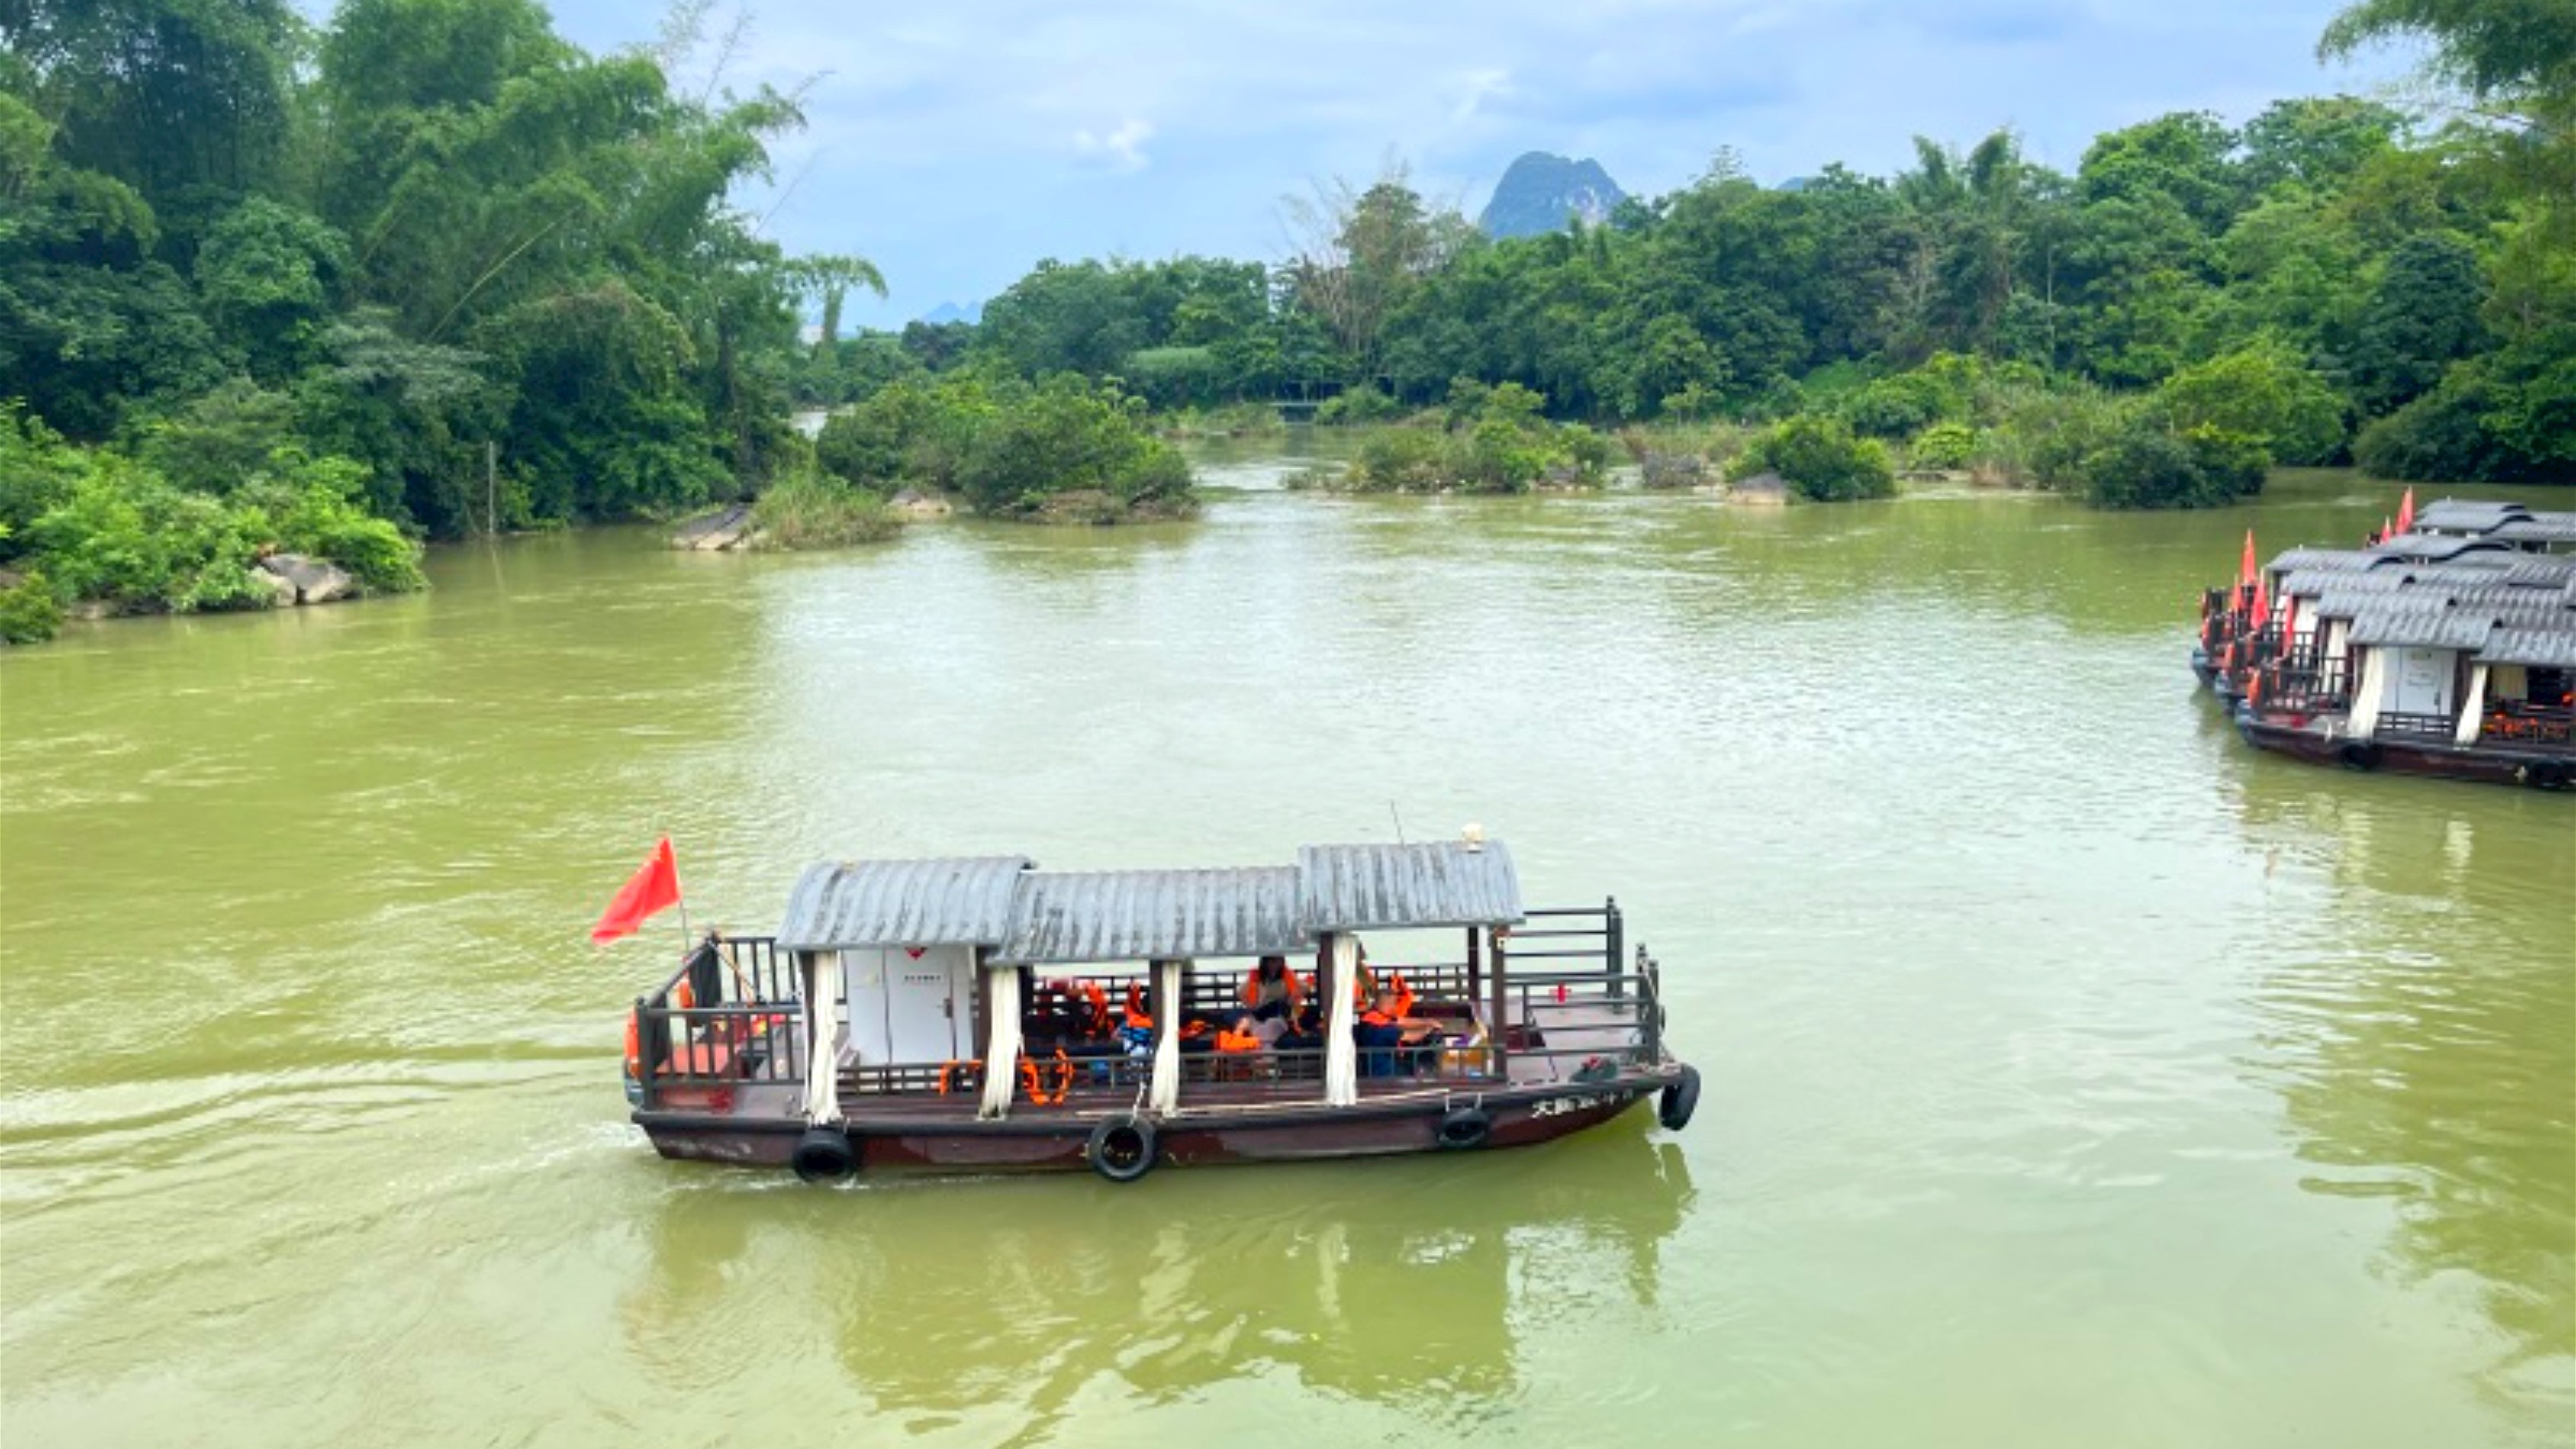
pixel 1388 1038
pixel 1271 991
pixel 1136 1033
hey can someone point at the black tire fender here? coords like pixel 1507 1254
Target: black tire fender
pixel 1679 1101
pixel 1464 1129
pixel 2359 755
pixel 824 1154
pixel 2547 775
pixel 1123 1149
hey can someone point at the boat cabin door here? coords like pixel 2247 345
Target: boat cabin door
pixel 910 1005
pixel 2421 683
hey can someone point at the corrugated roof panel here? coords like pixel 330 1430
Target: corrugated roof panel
pixel 2542 570
pixel 2548 648
pixel 2427 625
pixel 1154 915
pixel 951 902
pixel 1396 887
pixel 2466 515
pixel 2538 528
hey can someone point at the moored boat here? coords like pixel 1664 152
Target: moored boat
pixel 2445 649
pixel 980 1014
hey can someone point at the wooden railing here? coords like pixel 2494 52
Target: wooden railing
pixel 731 1014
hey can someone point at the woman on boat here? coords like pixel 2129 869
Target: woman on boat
pixel 1272 992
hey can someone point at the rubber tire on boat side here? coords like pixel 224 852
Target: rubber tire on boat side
pixel 823 1154
pixel 1139 1159
pixel 2359 755
pixel 1465 1129
pixel 2547 775
pixel 1680 1100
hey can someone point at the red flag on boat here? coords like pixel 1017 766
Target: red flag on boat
pixel 2245 571
pixel 2406 513
pixel 656 887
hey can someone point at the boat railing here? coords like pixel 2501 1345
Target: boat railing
pixel 729 1015
pixel 2515 722
pixel 2438 728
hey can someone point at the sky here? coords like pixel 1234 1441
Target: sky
pixel 957 143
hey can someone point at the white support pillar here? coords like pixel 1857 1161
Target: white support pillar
pixel 2473 709
pixel 2366 692
pixel 1166 1094
pixel 824 976
pixel 1002 1057
pixel 1341 1051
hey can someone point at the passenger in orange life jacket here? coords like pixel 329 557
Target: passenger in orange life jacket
pixel 1389 1039
pixel 1271 992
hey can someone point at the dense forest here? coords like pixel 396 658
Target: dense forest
pixel 2334 280
pixel 427 270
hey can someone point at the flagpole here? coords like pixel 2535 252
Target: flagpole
pixel 687 941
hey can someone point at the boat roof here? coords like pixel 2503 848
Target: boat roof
pixel 1027 916
pixel 1153 915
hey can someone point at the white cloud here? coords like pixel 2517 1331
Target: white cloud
pixel 1123 147
pixel 957 144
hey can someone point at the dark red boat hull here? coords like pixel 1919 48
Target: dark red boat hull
pixel 2540 769
pixel 1058 1140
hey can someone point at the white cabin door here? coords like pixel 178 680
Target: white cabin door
pixel 922 1007
pixel 866 972
pixel 2421 683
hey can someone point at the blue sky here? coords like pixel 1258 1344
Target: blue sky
pixel 957 143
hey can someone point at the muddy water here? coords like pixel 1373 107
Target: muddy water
pixel 2074 1075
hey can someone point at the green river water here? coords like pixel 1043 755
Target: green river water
pixel 2075 1076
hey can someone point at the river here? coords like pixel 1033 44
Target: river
pixel 2075 1076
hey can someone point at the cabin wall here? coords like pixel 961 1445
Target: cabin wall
pixel 908 1008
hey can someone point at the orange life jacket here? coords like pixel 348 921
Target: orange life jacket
pixel 634 1045
pixel 1237 1041
pixel 1252 985
pixel 1099 1002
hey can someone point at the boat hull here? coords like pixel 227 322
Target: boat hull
pixel 1059 1140
pixel 2538 769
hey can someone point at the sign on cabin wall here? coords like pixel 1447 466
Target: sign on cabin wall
pixel 2421 682
pixel 909 1006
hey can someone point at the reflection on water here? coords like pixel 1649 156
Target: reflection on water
pixel 2423 1038
pixel 1397 1286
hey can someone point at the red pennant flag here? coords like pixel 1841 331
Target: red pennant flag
pixel 656 887
pixel 2406 513
pixel 2245 571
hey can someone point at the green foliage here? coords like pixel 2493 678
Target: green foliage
pixel 29 612
pixel 125 536
pixel 1943 446
pixel 1357 406
pixel 2147 464
pixel 1820 457
pixel 807 510
pixel 1067 436
pixel 316 507
pixel 2263 392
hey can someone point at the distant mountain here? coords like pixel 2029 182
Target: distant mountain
pixel 947 312
pixel 1541 190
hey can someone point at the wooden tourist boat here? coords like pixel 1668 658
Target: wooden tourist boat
pixel 980 1014
pixel 2447 651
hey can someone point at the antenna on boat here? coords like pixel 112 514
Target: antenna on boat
pixel 1399 821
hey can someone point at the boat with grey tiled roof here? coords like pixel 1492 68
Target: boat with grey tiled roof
pixel 979 1014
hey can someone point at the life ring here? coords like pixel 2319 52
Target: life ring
pixel 2359 755
pixel 1123 1149
pixel 1465 1129
pixel 1679 1101
pixel 965 1075
pixel 1033 1079
pixel 823 1154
